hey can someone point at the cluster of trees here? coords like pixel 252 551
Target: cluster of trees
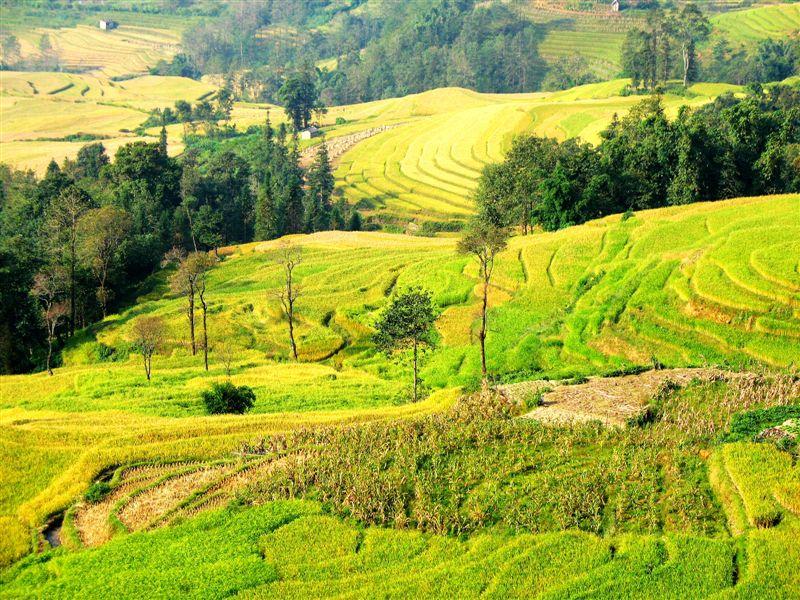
pixel 667 47
pixel 204 112
pixel 732 147
pixel 391 50
pixel 74 243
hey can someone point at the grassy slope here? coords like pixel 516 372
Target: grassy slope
pixel 707 283
pixel 293 550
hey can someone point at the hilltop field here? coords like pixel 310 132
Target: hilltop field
pixel 707 284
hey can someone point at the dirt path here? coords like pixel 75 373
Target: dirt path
pixel 611 400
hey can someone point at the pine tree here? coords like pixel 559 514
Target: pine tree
pixel 355 221
pixel 162 141
pixel 318 195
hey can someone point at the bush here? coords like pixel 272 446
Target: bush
pixel 227 398
pixel 97 492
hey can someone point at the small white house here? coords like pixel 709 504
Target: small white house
pixel 107 24
pixel 614 5
pixel 309 132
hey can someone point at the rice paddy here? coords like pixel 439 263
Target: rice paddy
pixel 705 284
pixel 775 21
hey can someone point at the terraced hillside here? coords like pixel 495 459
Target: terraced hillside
pixel 714 283
pixel 40 110
pixel 297 549
pixel 764 22
pixel 428 168
pixel 125 50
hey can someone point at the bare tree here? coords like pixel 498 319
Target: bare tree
pixel 484 242
pixel 148 337
pixel 62 221
pixel 288 257
pixel 48 286
pixel 103 230
pixel 201 263
pixel 182 283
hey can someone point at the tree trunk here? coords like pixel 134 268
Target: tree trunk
pixel 147 365
pixel 205 329
pixel 685 65
pixel 291 330
pixel 49 353
pixel 190 314
pixel 483 324
pixel 72 287
pixel 416 376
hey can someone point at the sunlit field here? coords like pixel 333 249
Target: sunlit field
pixel 705 284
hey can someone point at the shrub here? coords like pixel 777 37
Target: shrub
pixel 227 398
pixel 97 491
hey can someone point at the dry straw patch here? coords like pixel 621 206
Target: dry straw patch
pixel 149 505
pixel 613 401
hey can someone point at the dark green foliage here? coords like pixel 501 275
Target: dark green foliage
pixel 746 426
pixel 97 491
pixel 225 398
pixel 407 324
pixel 320 183
pixel 732 147
pixel 300 97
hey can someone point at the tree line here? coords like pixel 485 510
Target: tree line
pixel 732 147
pixel 666 47
pixel 76 242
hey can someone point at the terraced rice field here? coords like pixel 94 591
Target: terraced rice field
pixel 764 22
pixel 428 167
pixel 293 550
pixel 38 108
pixel 706 284
pixel 128 49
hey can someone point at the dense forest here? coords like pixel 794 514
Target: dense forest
pixel 732 147
pixel 402 48
pixel 76 242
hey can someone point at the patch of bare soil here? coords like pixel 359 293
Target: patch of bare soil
pixel 613 401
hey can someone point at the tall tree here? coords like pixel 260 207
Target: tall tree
pixel 690 28
pixel 289 257
pixel 62 222
pixel 484 242
pixel 102 233
pixel 48 286
pixel 300 97
pixel 407 324
pixel 148 337
pixel 320 184
pixel 201 263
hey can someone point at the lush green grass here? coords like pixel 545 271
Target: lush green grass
pixel 707 283
pixel 297 549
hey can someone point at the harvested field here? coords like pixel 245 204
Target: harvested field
pixel 613 401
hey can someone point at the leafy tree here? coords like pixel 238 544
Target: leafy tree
pixel 300 97
pixel 690 28
pixel 484 242
pixel 48 286
pixel 226 398
pixel 148 337
pixel 408 324
pixel 354 223
pixel 12 51
pixel 102 233
pixel 91 159
pixel 62 221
